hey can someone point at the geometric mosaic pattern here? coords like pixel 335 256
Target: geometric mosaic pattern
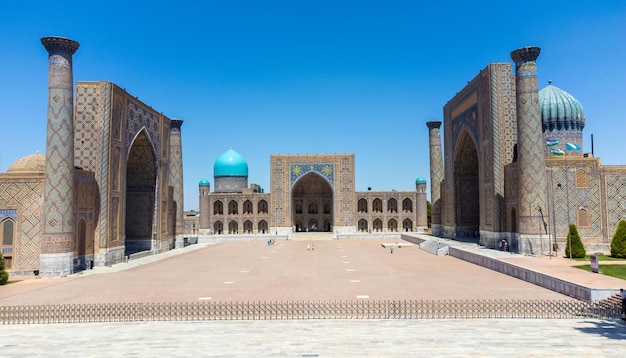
pixel 616 192
pixel 176 171
pixel 59 187
pixel 336 169
pixel 138 118
pixel 299 170
pixel 25 197
pixel 530 144
pixel 436 169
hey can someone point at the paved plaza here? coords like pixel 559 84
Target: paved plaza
pixel 287 271
pixel 333 270
pixel 320 338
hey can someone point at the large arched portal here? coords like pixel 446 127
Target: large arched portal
pixel 312 204
pixel 466 182
pixel 140 193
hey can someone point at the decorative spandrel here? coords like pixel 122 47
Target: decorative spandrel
pixel 298 170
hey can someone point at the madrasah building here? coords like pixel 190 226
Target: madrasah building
pixel 110 184
pixel 514 166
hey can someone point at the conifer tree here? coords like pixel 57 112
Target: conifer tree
pixel 618 243
pixel 4 275
pixel 577 249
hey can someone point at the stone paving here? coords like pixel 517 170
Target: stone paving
pixel 339 270
pixel 335 270
pixel 320 338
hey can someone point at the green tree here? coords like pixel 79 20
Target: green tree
pixel 428 213
pixel 577 249
pixel 618 243
pixel 4 275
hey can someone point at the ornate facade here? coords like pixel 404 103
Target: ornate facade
pixel 515 168
pixel 106 190
pixel 312 192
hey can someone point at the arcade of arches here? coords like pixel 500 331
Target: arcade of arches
pixel 312 202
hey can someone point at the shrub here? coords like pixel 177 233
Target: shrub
pixel 577 247
pixel 618 243
pixel 4 275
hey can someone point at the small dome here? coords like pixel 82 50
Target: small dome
pixel 560 111
pixel 420 180
pixel 204 182
pixel 31 163
pixel 230 163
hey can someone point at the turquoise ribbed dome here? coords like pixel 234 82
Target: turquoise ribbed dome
pixel 204 182
pixel 560 111
pixel 230 163
pixel 420 180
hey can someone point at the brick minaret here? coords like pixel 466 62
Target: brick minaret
pixel 57 244
pixel 436 175
pixel 532 194
pixel 204 188
pixel 422 211
pixel 176 178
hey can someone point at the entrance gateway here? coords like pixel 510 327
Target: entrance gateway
pixel 312 193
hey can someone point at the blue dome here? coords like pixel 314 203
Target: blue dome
pixel 230 163
pixel 560 111
pixel 420 180
pixel 204 182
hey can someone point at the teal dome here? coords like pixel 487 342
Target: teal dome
pixel 230 163
pixel 420 180
pixel 560 111
pixel 204 182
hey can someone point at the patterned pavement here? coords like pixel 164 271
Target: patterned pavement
pixel 253 270
pixel 320 338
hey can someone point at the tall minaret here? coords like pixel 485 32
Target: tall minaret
pixel 176 178
pixel 436 175
pixel 422 211
pixel 57 244
pixel 532 196
pixel 204 188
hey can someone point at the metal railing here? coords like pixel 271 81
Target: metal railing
pixel 297 310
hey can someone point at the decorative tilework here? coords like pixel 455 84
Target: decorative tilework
pixel 326 170
pixel 58 236
pixel 436 170
pixel 176 171
pixel 8 213
pixel 138 118
pixel 25 198
pixel 530 143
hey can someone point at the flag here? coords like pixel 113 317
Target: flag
pixel 557 151
pixel 572 146
pixel 551 142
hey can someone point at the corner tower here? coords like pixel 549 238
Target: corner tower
pixel 436 175
pixel 57 250
pixel 532 196
pixel 176 178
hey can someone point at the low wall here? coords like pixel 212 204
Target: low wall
pixel 372 236
pixel 552 283
pixel 211 239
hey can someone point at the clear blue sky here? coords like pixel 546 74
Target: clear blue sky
pixel 293 77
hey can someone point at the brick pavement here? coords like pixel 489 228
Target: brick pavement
pixel 287 271
pixel 335 270
pixel 320 338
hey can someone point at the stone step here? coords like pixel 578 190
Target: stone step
pixel 312 236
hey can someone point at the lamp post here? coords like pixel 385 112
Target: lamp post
pixel 551 211
pixel 569 239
